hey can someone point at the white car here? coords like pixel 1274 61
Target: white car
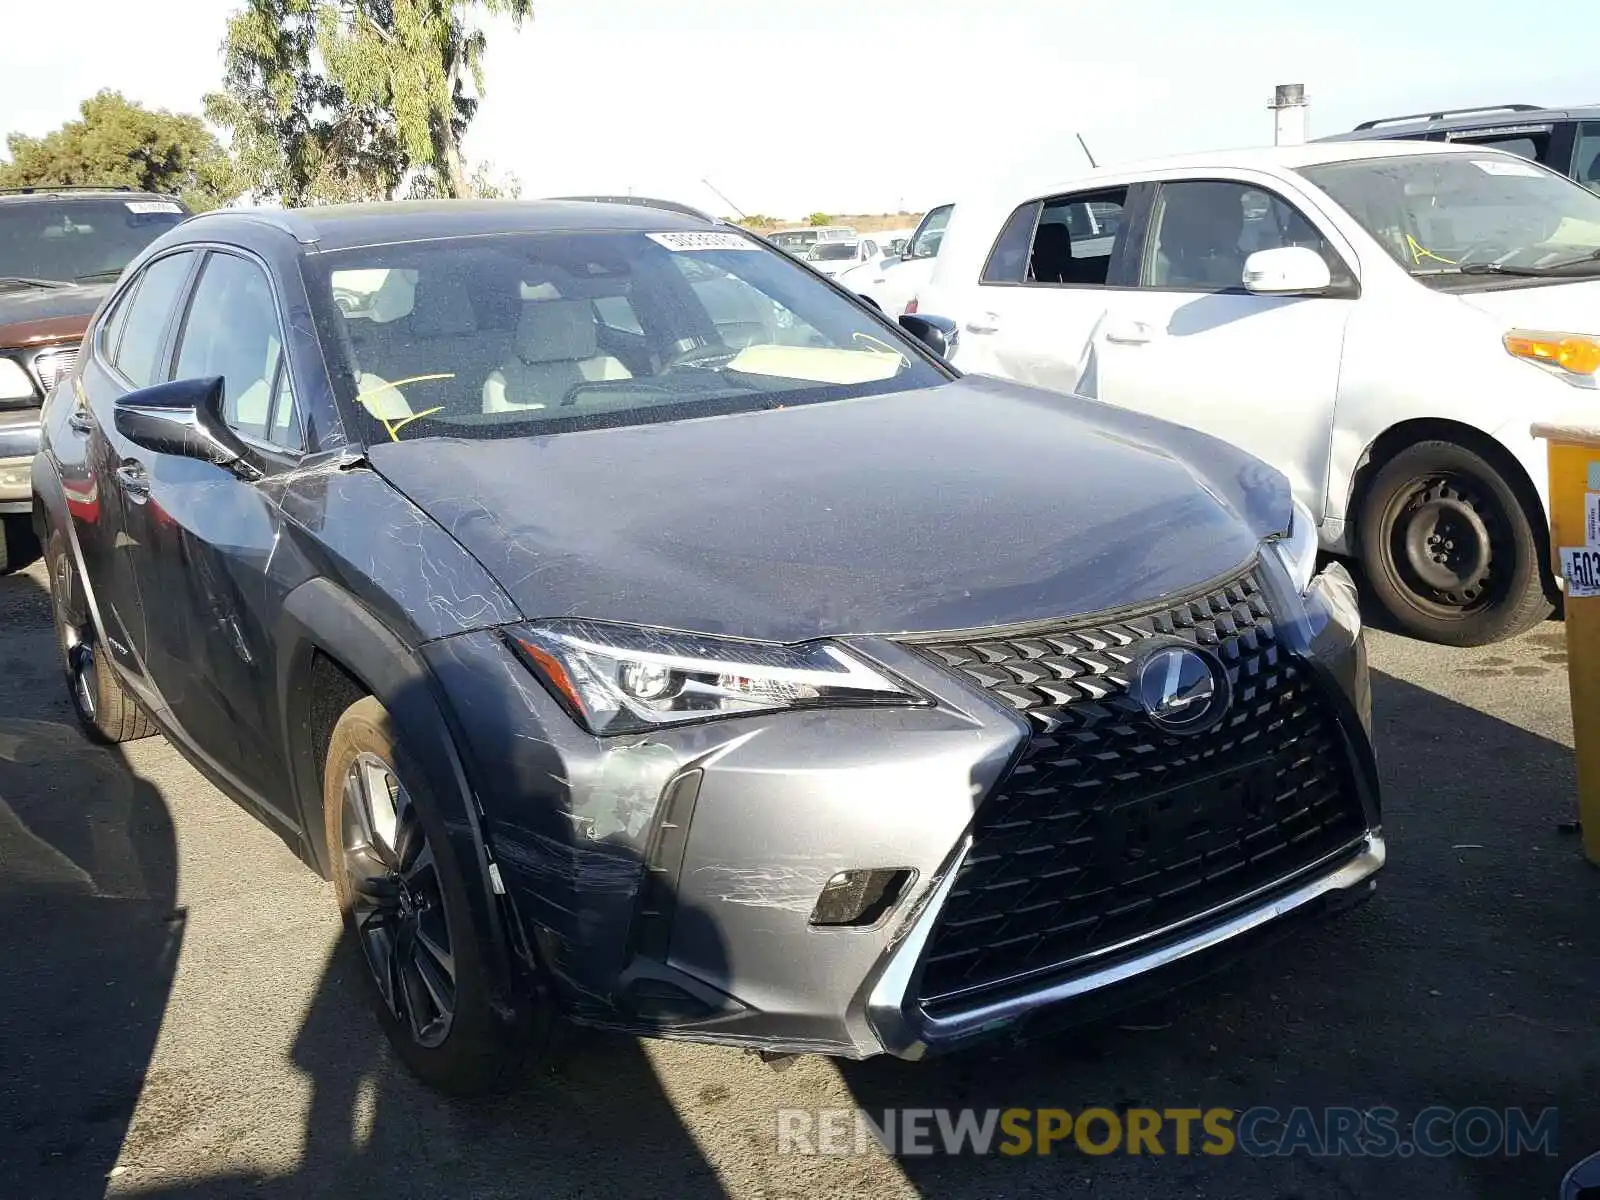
pixel 833 256
pixel 1380 321
pixel 892 283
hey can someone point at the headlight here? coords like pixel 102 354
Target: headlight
pixel 618 679
pixel 14 381
pixel 1297 549
pixel 1574 357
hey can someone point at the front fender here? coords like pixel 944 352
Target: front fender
pixel 318 616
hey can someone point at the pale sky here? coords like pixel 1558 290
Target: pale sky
pixel 863 105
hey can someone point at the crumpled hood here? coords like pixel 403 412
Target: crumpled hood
pixel 29 315
pixel 1555 307
pixel 980 502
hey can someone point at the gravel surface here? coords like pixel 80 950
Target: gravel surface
pixel 178 1014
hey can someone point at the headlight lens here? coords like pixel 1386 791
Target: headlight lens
pixel 14 381
pixel 1297 549
pixel 620 679
pixel 1574 357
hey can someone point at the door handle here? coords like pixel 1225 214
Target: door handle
pixel 79 421
pixel 1128 333
pixel 987 323
pixel 134 480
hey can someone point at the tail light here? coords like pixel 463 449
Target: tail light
pixel 911 305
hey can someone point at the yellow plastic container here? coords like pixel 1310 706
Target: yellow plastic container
pixel 1574 450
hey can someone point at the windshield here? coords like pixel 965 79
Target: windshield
pixel 504 336
pixel 794 240
pixel 70 239
pixel 1451 218
pixel 832 251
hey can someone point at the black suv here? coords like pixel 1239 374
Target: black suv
pixel 61 249
pixel 1563 139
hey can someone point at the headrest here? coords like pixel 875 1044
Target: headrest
pixel 556 331
pixel 442 307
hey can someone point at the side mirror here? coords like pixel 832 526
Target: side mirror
pixel 938 334
pixel 1286 270
pixel 183 417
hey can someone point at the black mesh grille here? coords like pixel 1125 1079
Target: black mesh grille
pixel 1109 828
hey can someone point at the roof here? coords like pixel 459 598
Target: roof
pixel 77 192
pixel 1447 120
pixel 340 226
pixel 1262 158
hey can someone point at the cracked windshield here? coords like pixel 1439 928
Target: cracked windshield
pixel 494 337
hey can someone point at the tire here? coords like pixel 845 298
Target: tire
pixel 19 546
pixel 1449 549
pixel 107 712
pixel 405 908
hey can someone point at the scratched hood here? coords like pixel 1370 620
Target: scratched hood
pixel 979 502
pixel 29 315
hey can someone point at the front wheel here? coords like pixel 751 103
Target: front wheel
pixel 405 906
pixel 1449 550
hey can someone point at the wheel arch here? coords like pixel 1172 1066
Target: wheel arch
pixel 1430 429
pixel 339 652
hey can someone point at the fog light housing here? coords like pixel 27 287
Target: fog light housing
pixel 16 475
pixel 859 899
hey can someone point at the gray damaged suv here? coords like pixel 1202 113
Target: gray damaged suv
pixel 638 628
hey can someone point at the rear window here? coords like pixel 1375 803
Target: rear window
pixel 79 240
pixel 833 251
pixel 509 335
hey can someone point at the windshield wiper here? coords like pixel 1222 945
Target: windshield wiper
pixel 1537 272
pixel 113 273
pixel 29 281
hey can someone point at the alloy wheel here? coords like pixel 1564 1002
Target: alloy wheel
pixel 396 900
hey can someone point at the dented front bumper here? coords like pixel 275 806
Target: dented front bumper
pixel 668 884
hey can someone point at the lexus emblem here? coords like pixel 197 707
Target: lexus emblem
pixel 1182 689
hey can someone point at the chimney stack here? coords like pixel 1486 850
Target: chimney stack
pixel 1289 105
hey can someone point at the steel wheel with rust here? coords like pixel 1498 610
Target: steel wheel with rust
pixel 1449 549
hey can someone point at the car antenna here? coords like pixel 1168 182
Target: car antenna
pixel 1085 146
pixel 724 199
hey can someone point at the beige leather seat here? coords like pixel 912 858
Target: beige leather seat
pixel 557 346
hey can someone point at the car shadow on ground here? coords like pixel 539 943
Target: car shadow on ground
pixel 89 935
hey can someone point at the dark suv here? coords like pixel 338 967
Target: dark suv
pixel 61 249
pixel 1563 139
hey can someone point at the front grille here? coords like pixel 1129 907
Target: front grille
pixel 1109 829
pixel 52 366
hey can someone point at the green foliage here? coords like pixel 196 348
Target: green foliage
pixel 818 219
pixel 297 135
pixel 756 221
pixel 346 99
pixel 118 143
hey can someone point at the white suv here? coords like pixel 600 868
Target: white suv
pixel 1380 321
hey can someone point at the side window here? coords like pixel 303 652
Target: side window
pixel 1535 146
pixel 1586 157
pixel 1202 231
pixel 232 330
pixel 148 312
pixel 1008 261
pixel 111 327
pixel 285 424
pixel 925 242
pixel 1077 238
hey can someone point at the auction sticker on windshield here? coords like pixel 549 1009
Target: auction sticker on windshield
pixel 153 206
pixel 702 241
pixel 1495 166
